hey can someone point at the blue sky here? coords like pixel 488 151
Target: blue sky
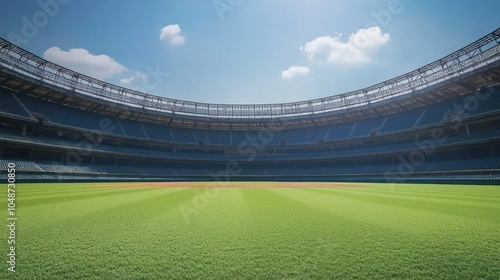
pixel 245 51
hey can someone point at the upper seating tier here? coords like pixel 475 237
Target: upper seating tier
pixel 458 108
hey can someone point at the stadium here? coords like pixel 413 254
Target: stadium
pixel 97 158
pixel 438 122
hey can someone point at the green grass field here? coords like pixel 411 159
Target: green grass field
pixel 255 231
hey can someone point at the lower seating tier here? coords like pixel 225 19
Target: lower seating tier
pixel 432 167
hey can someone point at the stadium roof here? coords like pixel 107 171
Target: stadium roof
pixel 474 65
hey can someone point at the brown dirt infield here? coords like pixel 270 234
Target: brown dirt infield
pixel 228 185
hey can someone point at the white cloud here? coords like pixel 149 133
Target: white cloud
pixel 355 51
pixel 98 66
pixel 293 71
pixel 172 34
pixel 136 77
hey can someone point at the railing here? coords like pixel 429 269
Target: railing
pixel 25 64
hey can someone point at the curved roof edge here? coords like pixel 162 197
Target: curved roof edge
pixel 480 53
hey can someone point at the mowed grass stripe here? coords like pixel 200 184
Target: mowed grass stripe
pixel 61 193
pixel 472 190
pixel 481 191
pixel 120 208
pixel 37 188
pixel 247 239
pixel 484 193
pixel 104 236
pixel 363 229
pixel 395 216
pixel 254 233
pixel 44 216
pixel 462 198
pixel 438 235
pixel 164 229
pixel 70 196
pixel 448 206
pixel 212 236
pixel 453 194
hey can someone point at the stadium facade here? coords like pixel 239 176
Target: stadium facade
pixel 440 122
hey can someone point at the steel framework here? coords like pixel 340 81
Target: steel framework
pixel 25 65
